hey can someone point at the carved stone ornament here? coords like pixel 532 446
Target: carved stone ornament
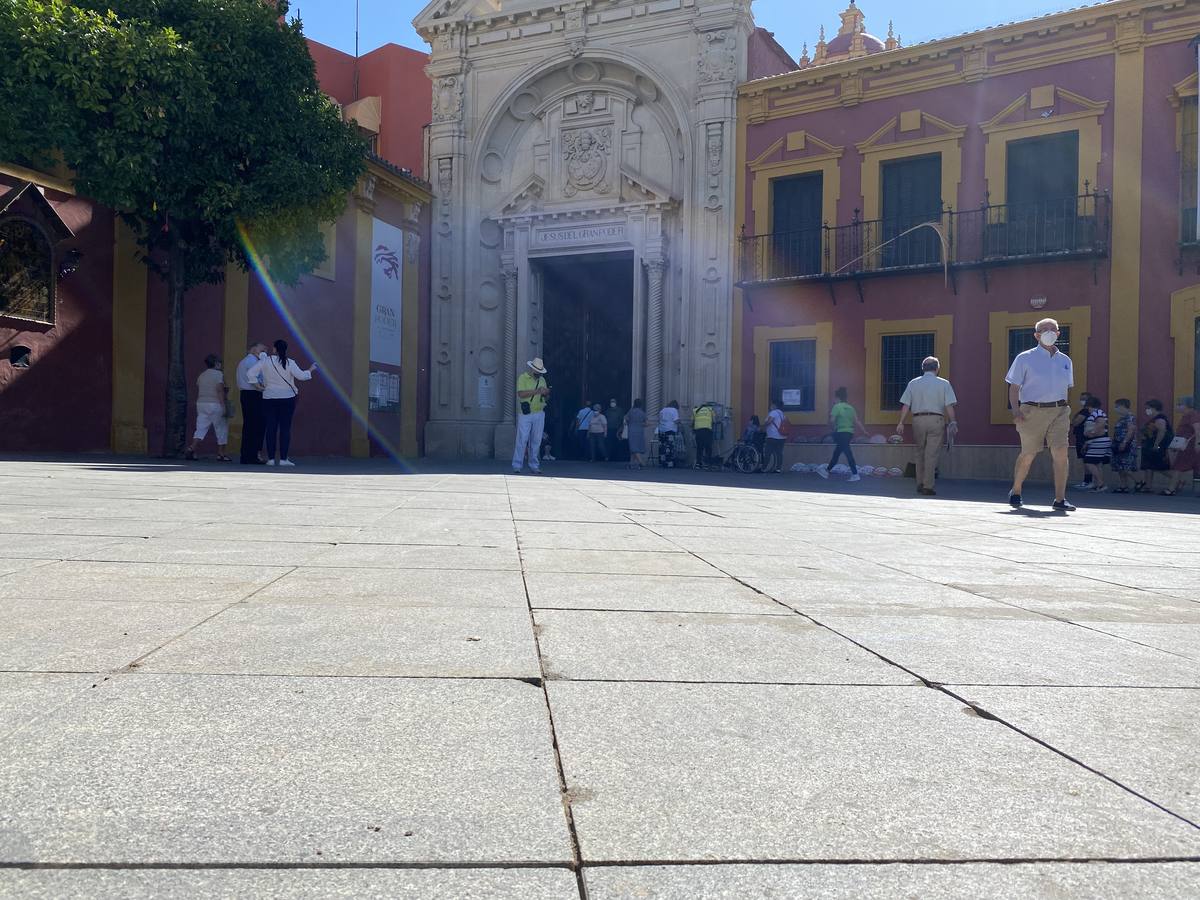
pixel 714 148
pixel 445 178
pixel 718 57
pixel 448 99
pixel 585 101
pixel 585 153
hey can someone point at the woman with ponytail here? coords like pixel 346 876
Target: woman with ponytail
pixel 279 374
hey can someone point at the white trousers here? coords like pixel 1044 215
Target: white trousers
pixel 212 415
pixel 529 437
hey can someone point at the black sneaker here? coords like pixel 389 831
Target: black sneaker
pixel 1064 506
pixel 1014 500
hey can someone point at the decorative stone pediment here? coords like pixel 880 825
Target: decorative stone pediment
pixel 1046 102
pixel 636 188
pixel 527 199
pixel 909 127
pixel 796 145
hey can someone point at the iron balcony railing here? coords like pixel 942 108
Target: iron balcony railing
pixel 986 236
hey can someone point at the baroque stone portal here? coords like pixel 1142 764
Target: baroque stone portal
pixel 578 128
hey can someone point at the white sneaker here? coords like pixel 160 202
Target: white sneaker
pixel 1082 486
pixel 854 478
pixel 1103 489
pixel 823 471
pixel 270 462
pixel 287 462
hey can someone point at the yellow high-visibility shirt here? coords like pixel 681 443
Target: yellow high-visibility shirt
pixel 702 417
pixel 527 381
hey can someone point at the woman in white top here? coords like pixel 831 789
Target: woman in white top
pixel 279 375
pixel 210 408
pixel 668 433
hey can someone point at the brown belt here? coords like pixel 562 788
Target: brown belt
pixel 927 414
pixel 1048 405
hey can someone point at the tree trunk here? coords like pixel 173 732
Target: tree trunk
pixel 175 433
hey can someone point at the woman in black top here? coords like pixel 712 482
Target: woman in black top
pixel 1156 438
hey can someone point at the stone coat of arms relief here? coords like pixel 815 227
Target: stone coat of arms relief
pixel 585 155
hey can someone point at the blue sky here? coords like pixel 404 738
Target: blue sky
pixel 793 21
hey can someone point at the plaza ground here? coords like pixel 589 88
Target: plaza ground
pixel 352 680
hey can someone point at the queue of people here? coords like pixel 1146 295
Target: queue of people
pixel 267 392
pixel 1118 455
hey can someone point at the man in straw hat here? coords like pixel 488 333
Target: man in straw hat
pixel 931 401
pixel 532 392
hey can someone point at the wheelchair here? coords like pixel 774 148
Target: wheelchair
pixel 744 457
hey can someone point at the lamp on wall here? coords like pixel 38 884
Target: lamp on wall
pixel 1037 302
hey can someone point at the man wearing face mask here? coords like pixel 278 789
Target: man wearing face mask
pixel 1038 382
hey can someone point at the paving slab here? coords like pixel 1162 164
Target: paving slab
pixel 395 587
pixel 85 580
pixel 670 593
pixel 702 647
pixel 980 881
pixel 155 768
pixel 52 546
pixel 277 884
pixel 90 635
pixel 1031 650
pixel 616 562
pixel 407 556
pixel 266 639
pixel 594 536
pixel 662 772
pixel 1145 738
pixel 26 697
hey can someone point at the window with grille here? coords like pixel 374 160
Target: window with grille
pixel 793 382
pixel 1187 171
pixel 26 271
pixel 902 355
pixel 1021 339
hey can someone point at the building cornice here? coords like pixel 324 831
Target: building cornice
pixel 1124 17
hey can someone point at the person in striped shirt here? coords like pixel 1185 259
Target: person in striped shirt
pixel 1098 450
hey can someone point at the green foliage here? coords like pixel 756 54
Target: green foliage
pixel 187 117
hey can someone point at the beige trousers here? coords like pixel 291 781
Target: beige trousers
pixel 928 433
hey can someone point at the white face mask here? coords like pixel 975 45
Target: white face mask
pixel 1149 412
pixel 1048 338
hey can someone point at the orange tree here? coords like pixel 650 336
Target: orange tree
pixel 193 120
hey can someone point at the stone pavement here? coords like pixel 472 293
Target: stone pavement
pixel 344 680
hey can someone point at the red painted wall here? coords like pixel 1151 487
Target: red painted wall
pixel 765 56
pixel 396 75
pixel 64 399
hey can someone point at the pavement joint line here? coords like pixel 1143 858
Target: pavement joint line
pixel 533 680
pixel 564 790
pixel 29 865
pixel 978 709
pixel 660 612
pixel 129 667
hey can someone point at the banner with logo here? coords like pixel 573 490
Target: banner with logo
pixel 387 292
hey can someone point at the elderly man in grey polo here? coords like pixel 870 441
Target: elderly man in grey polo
pixel 931 400
pixel 1037 393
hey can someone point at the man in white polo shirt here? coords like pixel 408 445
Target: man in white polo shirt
pixel 1038 382
pixel 931 400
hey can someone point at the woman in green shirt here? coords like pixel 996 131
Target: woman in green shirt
pixel 845 421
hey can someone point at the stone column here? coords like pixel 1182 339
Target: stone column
pixel 655 270
pixel 509 370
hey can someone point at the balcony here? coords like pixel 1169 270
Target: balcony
pixel 991 235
